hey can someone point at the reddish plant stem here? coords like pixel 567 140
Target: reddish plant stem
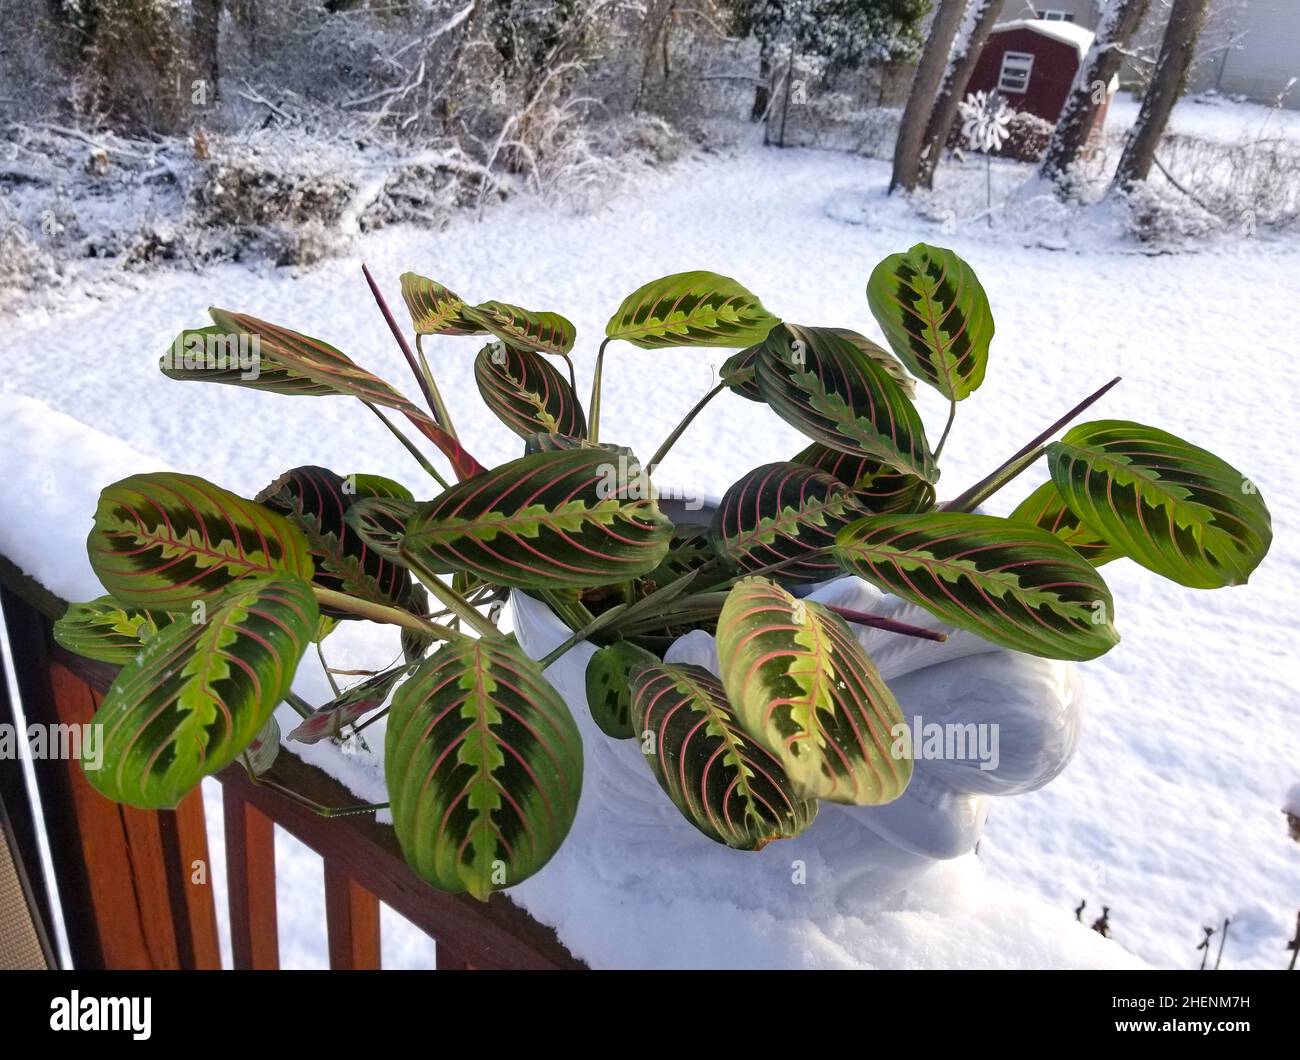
pixel 405 346
pixel 862 618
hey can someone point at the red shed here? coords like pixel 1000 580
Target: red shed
pixel 1031 63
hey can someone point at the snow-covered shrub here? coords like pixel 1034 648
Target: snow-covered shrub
pixel 1027 137
pixel 483 759
pixel 24 265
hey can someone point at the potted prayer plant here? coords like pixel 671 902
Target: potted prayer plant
pixel 761 661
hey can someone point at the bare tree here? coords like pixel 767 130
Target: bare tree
pixel 978 24
pixel 206 36
pixel 1168 83
pixel 925 86
pixel 1119 21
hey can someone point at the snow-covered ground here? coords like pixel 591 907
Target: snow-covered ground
pixel 1170 813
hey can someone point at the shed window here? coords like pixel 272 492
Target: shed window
pixel 1015 71
pixel 1050 15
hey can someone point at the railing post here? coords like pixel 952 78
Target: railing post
pixel 351 920
pixel 124 874
pixel 250 883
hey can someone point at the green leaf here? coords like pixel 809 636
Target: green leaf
pixel 198 694
pixel 823 385
pixel 875 352
pixel 935 316
pixel 778 513
pixel 484 767
pixel 1014 585
pixel 106 630
pixel 380 522
pixel 689 549
pixel 609 687
pixel 260 755
pixel 526 393
pixel 1174 508
pixel 434 309
pixel 739 372
pixel 316 501
pixel 330 371
pixel 804 688
pixel 163 540
pixel 878 488
pixel 545 443
pixel 1045 509
pixel 577 518
pixel 690 309
pixel 349 706
pixel 725 784
pixel 524 329
pixel 214 354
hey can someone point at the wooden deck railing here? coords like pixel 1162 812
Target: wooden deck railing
pixel 135 885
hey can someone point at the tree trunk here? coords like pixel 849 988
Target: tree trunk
pixel 1167 83
pixel 983 18
pixel 1119 22
pixel 762 90
pixel 920 101
pixel 207 30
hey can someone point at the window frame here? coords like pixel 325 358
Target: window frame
pixel 1027 59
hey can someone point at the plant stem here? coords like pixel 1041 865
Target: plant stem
pixel 573 379
pixel 410 446
pixel 329 674
pixel 451 599
pixel 317 808
pixel 593 407
pixel 440 411
pixel 863 618
pixel 304 709
pixel 370 720
pixel 943 438
pixel 401 342
pixel 991 483
pixel 382 613
pixel 677 431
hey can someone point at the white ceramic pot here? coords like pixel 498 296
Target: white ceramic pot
pixel 1019 716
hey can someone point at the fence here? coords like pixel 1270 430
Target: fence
pixel 134 885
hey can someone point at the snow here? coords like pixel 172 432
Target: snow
pixel 1169 813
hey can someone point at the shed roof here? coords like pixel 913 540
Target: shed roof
pixel 1066 32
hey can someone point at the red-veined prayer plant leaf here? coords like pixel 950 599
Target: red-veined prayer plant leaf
pixel 349 706
pixel 526 393
pixel 215 354
pixel 1045 509
pixel 333 372
pixel 779 513
pixel 723 781
pixel 107 630
pixel 201 691
pixel 381 523
pixel 484 767
pixel 316 501
pixel 162 540
pixel 806 690
pixel 827 388
pixel 1173 507
pixel 690 309
pixel 434 309
pixel 1015 585
pixel 936 317
pixel 576 518
pixel 525 329
pixel 877 487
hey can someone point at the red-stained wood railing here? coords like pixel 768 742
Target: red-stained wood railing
pixel 135 885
